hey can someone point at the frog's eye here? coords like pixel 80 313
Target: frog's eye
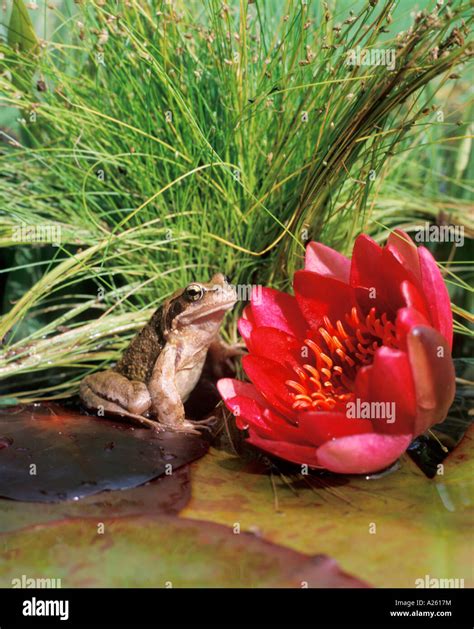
pixel 194 292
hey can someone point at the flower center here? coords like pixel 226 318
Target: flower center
pixel 339 351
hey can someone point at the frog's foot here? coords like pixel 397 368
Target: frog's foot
pixel 186 427
pixel 190 427
pixel 209 423
pixel 220 350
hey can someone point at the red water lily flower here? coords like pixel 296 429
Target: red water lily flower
pixel 373 332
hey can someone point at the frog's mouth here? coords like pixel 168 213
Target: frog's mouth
pixel 206 314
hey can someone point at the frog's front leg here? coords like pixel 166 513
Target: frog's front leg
pixel 166 401
pixel 110 392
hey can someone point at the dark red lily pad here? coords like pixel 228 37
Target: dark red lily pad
pixel 50 454
pixel 166 494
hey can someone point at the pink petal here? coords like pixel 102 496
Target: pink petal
pixel 390 382
pixel 320 296
pixel 296 453
pixel 282 430
pixel 250 410
pixel 436 294
pixel 246 408
pixel 245 328
pixel 247 314
pixel 231 388
pixel 404 249
pixel 407 318
pixel 321 426
pixel 362 454
pixel 377 269
pixel 269 377
pixel 434 376
pixel 414 299
pixel 366 259
pixel 247 413
pixel 326 261
pixel 279 310
pixel 277 345
pixel 362 382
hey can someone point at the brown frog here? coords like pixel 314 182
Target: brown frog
pixel 164 361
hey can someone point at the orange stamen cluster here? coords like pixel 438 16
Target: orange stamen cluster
pixel 338 352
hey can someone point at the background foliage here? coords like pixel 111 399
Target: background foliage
pixel 169 140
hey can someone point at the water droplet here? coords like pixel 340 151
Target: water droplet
pixel 389 470
pixel 446 498
pixel 167 456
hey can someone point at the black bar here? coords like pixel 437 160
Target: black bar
pixel 289 607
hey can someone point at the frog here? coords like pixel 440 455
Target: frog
pixel 164 361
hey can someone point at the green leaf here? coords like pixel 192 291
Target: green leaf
pixel 387 530
pixel 21 34
pixel 150 551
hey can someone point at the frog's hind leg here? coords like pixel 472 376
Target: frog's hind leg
pixel 110 392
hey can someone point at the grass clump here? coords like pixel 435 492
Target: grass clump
pixel 170 140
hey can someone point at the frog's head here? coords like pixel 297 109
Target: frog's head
pixel 200 306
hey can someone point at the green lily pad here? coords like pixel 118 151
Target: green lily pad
pixel 387 530
pixel 159 552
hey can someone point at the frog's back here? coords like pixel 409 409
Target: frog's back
pixel 140 356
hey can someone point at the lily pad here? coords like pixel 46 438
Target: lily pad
pixel 50 454
pixel 159 552
pixel 166 494
pixel 388 530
